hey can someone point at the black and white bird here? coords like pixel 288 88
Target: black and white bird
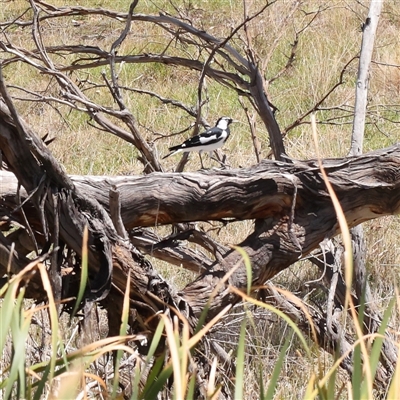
pixel 207 141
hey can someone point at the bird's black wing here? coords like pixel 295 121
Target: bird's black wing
pixel 210 136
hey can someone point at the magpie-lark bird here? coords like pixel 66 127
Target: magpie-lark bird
pixel 207 141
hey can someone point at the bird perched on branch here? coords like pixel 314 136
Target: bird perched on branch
pixel 207 141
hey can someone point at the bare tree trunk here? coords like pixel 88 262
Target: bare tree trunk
pixel 372 316
pixel 367 46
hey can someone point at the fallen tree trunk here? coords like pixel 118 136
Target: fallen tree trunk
pixel 367 187
pixel 292 208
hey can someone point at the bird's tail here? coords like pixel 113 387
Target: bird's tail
pixel 173 150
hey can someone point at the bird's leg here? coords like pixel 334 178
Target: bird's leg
pixel 201 160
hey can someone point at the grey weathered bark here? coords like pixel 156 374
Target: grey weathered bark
pixel 367 46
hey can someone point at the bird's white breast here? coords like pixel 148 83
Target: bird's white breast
pixel 208 147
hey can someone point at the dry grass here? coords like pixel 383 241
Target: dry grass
pixel 324 48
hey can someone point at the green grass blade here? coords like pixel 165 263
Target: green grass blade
pixel 17 370
pixel 155 370
pixel 6 313
pixel 84 273
pixel 153 375
pixel 23 333
pixel 191 387
pixel 239 375
pixel 122 332
pixel 41 385
pixel 157 386
pixel 157 366
pixel 378 342
pixel 261 383
pixel 357 377
pixel 156 340
pixel 357 372
pixel 277 370
pixel 377 346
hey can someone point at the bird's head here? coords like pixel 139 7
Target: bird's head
pixel 224 122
